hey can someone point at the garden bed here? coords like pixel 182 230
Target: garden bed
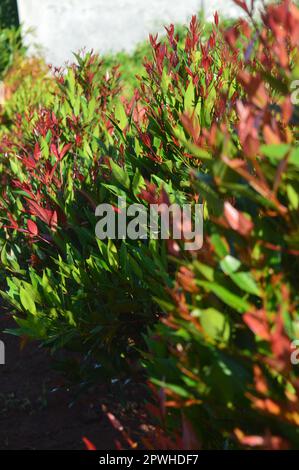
pixel 203 338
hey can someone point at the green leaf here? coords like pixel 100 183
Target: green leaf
pixel 220 245
pixel 235 302
pixel 197 151
pixel 137 183
pixel 278 84
pixel 165 81
pixel 174 388
pixel 246 283
pixel 167 307
pixel 215 324
pixel 120 175
pixel 27 301
pixel 275 151
pixel 112 254
pixel 15 166
pixel 189 98
pixel 120 115
pixel 71 84
pixel 205 270
pixel 4 255
pixel 229 264
pixel 294 157
pixel 293 197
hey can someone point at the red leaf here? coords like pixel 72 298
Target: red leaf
pixel 89 445
pixel 32 227
pixel 271 137
pixel 54 150
pixel 14 223
pixel 46 215
pixel 216 18
pixel 37 151
pixel 255 88
pixel 260 381
pixel 281 345
pixel 189 437
pixel 237 220
pixel 64 150
pixel 267 441
pixel 257 322
pixel 146 140
pixel 191 125
pixel 29 163
pixel 242 4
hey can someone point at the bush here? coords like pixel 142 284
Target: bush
pixel 212 121
pixel 10 47
pixel 222 356
pixel 9 17
pixel 74 292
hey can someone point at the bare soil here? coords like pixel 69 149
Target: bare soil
pixel 35 411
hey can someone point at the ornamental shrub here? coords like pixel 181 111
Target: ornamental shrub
pixel 214 120
pixel 223 356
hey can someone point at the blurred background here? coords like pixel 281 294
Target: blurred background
pixel 64 26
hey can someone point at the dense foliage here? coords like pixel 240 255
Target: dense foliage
pixel 9 14
pixel 214 119
pixel 10 48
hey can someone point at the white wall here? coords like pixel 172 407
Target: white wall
pixel 63 26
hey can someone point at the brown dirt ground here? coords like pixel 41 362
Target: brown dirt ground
pixel 32 416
